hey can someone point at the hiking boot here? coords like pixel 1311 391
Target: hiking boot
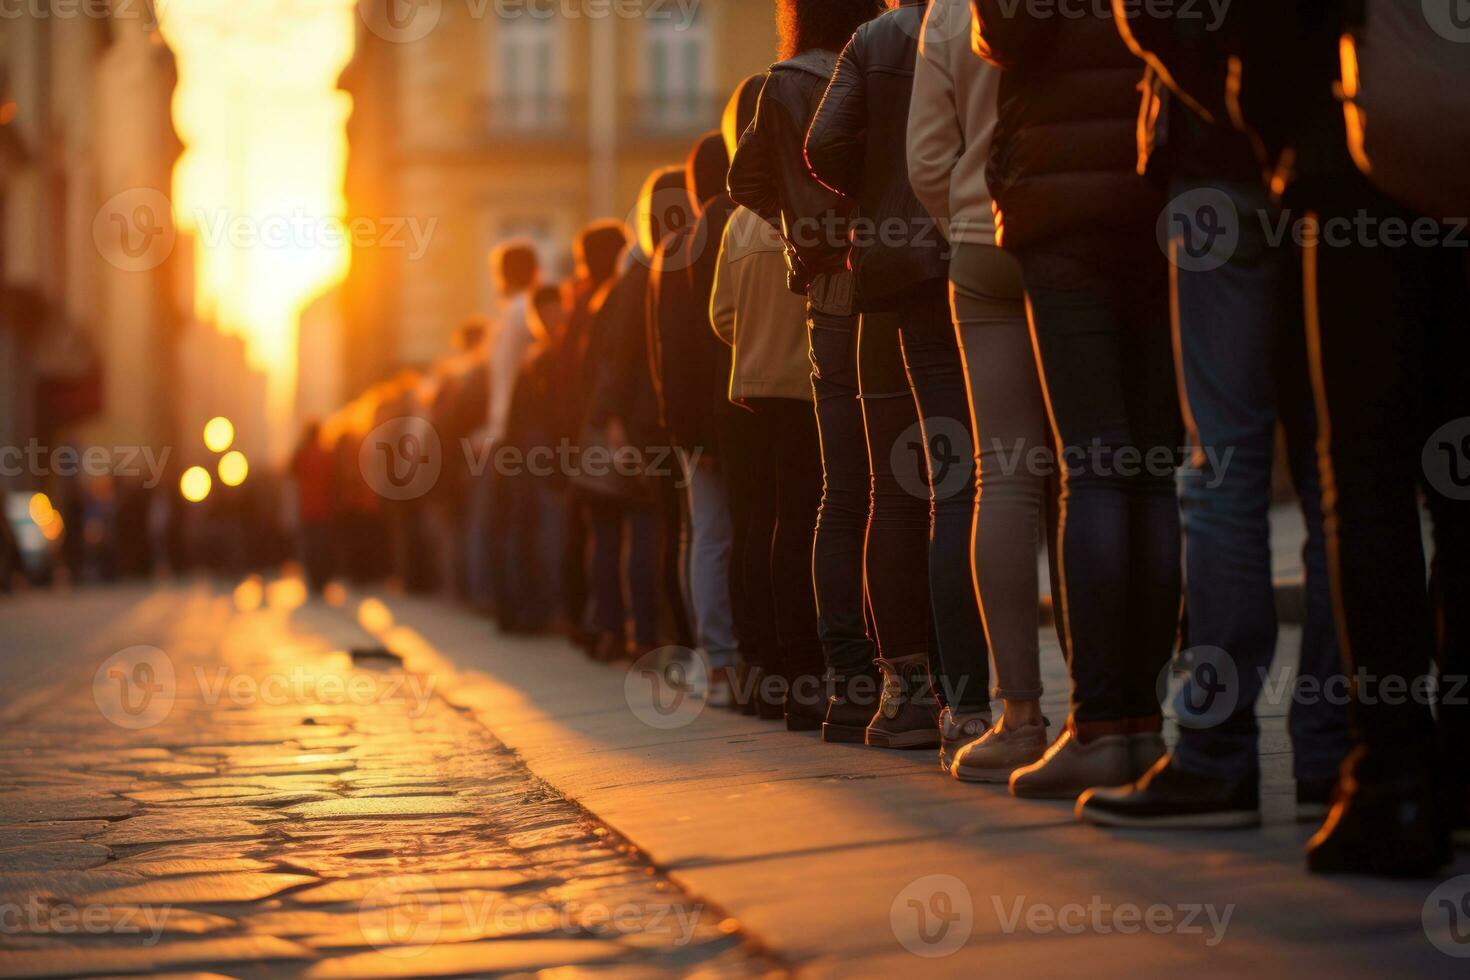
pixel 958 730
pixel 1170 797
pixel 998 752
pixel 806 704
pixel 1144 750
pixel 1071 766
pixel 908 712
pixel 850 707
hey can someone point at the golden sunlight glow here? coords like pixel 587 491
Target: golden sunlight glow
pixel 374 617
pixel 233 468
pixel 249 594
pixel 219 432
pixel 195 484
pixel 260 182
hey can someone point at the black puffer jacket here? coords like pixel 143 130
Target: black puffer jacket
pixel 1065 150
pixel 858 145
pixel 769 174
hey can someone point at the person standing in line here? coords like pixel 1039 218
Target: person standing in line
pixel 911 386
pixel 1242 351
pixel 951 124
pixel 1080 220
pixel 769 175
pixel 595 251
pixel 689 370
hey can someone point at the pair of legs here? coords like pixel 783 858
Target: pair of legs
pixel 1009 493
pixel 1241 348
pixel 1097 303
pixel 842 519
pixel 921 454
pixel 708 559
pixel 775 485
pixel 1388 341
pixel 625 552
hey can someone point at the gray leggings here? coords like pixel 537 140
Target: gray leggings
pixel 1010 433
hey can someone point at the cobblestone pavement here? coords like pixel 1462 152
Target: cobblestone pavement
pixel 222 786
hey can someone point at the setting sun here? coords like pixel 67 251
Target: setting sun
pixel 259 185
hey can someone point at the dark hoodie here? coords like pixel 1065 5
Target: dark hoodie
pixel 623 387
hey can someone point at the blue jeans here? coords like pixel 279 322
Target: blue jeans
pixel 1099 312
pixel 1242 349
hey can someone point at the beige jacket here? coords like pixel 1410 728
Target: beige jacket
pixel 951 122
pixel 752 310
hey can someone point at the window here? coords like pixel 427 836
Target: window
pixel 527 85
pixel 678 58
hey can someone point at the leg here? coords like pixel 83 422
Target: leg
pixel 898 534
pixel 797 458
pixel 843 518
pixel 934 364
pixel 709 562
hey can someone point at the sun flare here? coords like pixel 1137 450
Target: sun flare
pixel 260 184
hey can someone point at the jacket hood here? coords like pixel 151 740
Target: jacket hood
pixel 740 110
pixel 664 206
pixel 706 168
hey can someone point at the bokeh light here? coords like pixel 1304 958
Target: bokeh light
pixel 233 468
pixel 219 433
pixel 41 510
pixel 195 484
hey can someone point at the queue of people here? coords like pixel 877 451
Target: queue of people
pixel 957 281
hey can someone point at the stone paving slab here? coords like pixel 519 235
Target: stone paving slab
pixel 848 861
pixel 227 791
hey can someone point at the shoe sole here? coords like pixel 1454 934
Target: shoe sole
pixel 986 775
pixel 843 734
pixel 902 740
pixel 1229 820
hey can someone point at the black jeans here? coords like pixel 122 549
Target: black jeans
pixel 1389 338
pixel 842 521
pixel 1099 313
pixel 924 492
pixel 776 475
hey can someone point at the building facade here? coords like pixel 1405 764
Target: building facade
pixel 516 118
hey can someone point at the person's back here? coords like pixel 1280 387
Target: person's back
pixel 857 145
pixel 1065 148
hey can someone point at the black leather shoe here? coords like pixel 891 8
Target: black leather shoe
pixel 1389 827
pixel 852 704
pixel 1169 797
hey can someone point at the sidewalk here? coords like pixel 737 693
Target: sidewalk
pixel 210 784
pixel 848 861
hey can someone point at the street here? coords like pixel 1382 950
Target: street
pixel 249 783
pixel 255 803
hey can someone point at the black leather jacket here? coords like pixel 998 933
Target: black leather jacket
pixel 769 174
pixel 858 145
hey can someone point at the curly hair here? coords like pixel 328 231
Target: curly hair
pixel 827 24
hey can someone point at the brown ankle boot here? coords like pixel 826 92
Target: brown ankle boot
pixel 908 712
